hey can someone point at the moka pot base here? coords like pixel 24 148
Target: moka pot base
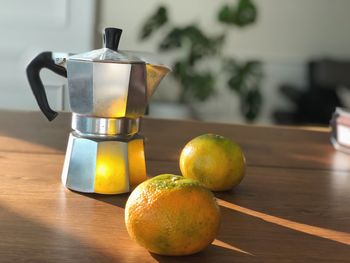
pixel 104 155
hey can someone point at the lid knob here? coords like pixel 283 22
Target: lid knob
pixel 111 37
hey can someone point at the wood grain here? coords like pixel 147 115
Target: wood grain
pixel 263 146
pixel 42 220
pixel 287 209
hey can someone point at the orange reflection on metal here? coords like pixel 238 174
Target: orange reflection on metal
pixel 137 164
pixel 111 171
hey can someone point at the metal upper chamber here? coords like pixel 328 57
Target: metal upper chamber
pixel 105 82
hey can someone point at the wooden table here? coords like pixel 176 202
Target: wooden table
pixel 292 206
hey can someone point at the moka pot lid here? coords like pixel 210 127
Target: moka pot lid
pixel 109 53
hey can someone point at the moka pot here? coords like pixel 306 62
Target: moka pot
pixel 109 91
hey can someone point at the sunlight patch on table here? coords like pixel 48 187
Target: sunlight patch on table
pixel 220 243
pixel 16 145
pixel 337 236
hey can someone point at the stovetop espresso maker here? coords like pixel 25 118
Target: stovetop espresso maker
pixel 108 91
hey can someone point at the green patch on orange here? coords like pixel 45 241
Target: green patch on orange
pixel 172 215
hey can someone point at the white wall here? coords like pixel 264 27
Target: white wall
pixel 30 27
pixel 287 35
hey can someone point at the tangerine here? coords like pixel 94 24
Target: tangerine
pixel 172 215
pixel 215 161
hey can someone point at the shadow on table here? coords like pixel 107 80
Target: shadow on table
pixel 34 128
pixel 274 239
pixel 213 253
pixel 24 240
pixel 225 252
pixel 315 198
pixel 116 200
pixel 248 235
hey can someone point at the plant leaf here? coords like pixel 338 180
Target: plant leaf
pixel 154 22
pixel 246 13
pixel 195 85
pixel 200 45
pixel 242 14
pixel 251 103
pixel 172 40
pixel 245 79
pixel 243 75
pixel 201 86
pixel 227 14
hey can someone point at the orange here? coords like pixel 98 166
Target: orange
pixel 215 161
pixel 172 215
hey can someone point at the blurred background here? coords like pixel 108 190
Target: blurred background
pixel 238 61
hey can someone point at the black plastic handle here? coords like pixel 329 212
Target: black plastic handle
pixel 43 60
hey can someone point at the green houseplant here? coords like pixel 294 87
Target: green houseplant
pixel 195 48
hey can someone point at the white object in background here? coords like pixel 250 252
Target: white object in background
pixel 340 125
pixel 343 133
pixel 28 27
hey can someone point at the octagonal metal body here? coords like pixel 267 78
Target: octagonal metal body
pixel 107 166
pixel 111 90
